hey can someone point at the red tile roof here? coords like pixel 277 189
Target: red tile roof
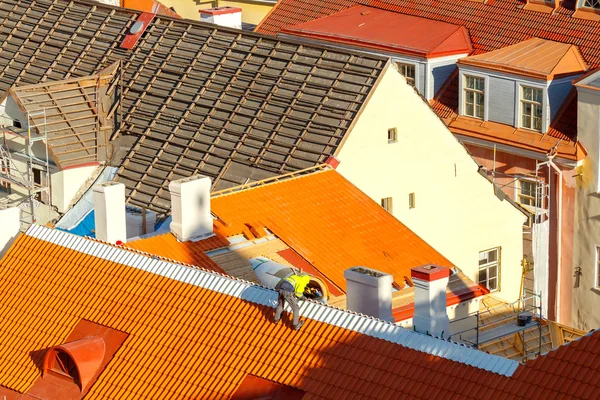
pixel 193 340
pixel 491 25
pixel 166 245
pixel 330 223
pixel 385 30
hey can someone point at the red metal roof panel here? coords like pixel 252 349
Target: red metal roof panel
pixel 386 30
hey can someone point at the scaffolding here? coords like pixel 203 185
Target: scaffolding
pixel 24 187
pixel 519 323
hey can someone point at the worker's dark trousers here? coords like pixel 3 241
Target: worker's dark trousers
pixel 292 300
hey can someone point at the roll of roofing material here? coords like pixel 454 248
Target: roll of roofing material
pixel 271 273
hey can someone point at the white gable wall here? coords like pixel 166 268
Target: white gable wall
pixel 456 210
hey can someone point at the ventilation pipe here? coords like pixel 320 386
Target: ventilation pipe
pixel 369 292
pixel 109 212
pixel 190 208
pixel 230 17
pixel 270 274
pixel 430 317
pixel 11 223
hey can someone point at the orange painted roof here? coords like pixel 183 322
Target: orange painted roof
pixel 386 30
pixel 537 58
pixel 151 6
pixel 167 245
pixel 330 223
pixel 191 334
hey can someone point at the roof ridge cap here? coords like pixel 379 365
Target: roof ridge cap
pixel 258 294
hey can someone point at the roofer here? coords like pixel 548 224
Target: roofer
pixel 290 290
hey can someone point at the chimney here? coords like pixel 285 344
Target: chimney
pixel 109 209
pixel 369 292
pixel 190 208
pixel 11 223
pixel 229 17
pixel 430 315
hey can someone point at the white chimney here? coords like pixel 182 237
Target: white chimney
pixel 139 222
pixel 230 17
pixel 190 208
pixel 369 292
pixel 430 300
pixel 11 223
pixel 109 210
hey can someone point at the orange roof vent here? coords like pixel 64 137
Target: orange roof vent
pixel 79 359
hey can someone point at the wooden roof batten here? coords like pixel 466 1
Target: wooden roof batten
pixel 74 116
pixel 194 98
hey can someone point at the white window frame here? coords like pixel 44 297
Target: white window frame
pixel 395 139
pixel 596 267
pixel 461 93
pixel 409 64
pixel 582 5
pixel 517 197
pixel 519 107
pixel 497 263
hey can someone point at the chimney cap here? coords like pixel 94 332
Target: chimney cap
pixel 430 272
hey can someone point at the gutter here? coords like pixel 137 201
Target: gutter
pixel 559 244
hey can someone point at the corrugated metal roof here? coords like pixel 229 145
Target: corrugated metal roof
pixel 389 31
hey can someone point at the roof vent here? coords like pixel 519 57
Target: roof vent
pixel 136 31
pixel 136 28
pixel 79 360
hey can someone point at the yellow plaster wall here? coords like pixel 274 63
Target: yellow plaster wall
pixel 252 13
pixel 456 210
pixel 185 8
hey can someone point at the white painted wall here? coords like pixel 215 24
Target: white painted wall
pixel 67 183
pixel 586 297
pixel 11 223
pixel 456 209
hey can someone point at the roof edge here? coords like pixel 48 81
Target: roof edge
pixel 267 297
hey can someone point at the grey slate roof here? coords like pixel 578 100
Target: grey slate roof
pixel 195 98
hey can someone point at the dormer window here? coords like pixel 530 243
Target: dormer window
pixel 595 4
pixel 531 108
pixel 474 88
pixel 64 365
pixel 408 71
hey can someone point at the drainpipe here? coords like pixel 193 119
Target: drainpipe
pixel 559 213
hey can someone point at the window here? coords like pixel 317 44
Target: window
pixel 386 203
pixel 527 193
pixel 489 268
pixel 392 135
pixel 592 4
pixel 597 268
pixel 474 96
pixel 531 108
pixel 411 200
pixel 408 71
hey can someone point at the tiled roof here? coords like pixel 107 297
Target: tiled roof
pixel 195 98
pixel 385 30
pixel 197 334
pixel 562 131
pixel 537 58
pixel 166 245
pixel 330 223
pixel 492 25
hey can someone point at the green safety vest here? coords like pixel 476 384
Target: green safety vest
pixel 299 283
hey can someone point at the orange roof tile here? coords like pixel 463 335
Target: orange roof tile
pixel 167 245
pixel 189 338
pixel 331 224
pixel 537 58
